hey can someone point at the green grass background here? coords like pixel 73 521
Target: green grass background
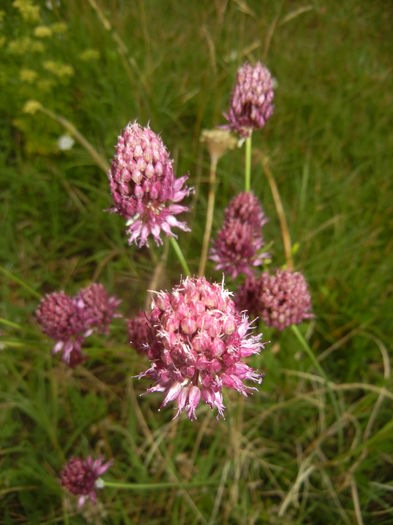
pixel 276 459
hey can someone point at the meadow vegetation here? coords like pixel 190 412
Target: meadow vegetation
pixel 283 456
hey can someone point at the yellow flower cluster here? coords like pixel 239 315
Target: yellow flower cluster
pixel 42 31
pixel 58 69
pixel 27 75
pixel 29 11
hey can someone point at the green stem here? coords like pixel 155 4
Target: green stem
pixel 180 255
pixel 315 362
pixel 20 282
pixel 247 173
pixel 157 486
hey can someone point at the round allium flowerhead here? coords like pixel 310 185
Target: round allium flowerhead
pixel 98 307
pixel 237 248
pixel 138 332
pixel 143 186
pixel 246 207
pixel 251 103
pixel 198 341
pixel 284 299
pixel 81 477
pixel 63 320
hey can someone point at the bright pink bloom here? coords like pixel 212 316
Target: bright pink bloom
pixel 251 103
pixel 99 309
pixel 246 208
pixel 238 244
pixel 138 332
pixel 284 299
pixel 197 344
pixel 79 476
pixel 280 300
pixel 143 185
pixel 63 320
pixel 237 249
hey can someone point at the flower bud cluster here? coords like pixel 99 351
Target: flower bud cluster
pixel 280 300
pixel 79 476
pixel 197 344
pixel 238 244
pixel 251 103
pixel 69 320
pixel 143 186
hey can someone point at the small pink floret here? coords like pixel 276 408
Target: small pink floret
pixel 79 476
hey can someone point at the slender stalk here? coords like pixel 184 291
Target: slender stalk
pixel 209 214
pixel 315 362
pixel 286 238
pixel 69 126
pixel 156 486
pixel 247 172
pixel 19 281
pixel 180 255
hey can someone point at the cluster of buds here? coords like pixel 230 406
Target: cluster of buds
pixel 280 300
pixel 238 244
pixel 69 320
pixel 81 477
pixel 251 103
pixel 138 332
pixel 143 186
pixel 197 344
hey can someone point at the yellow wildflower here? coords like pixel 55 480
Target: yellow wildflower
pixel 32 106
pixel 29 11
pixel 89 54
pixel 27 75
pixel 42 31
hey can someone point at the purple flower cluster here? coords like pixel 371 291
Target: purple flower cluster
pixel 251 103
pixel 143 186
pixel 79 476
pixel 138 332
pixel 69 320
pixel 197 344
pixel 238 244
pixel 280 300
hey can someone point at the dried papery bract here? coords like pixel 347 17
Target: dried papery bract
pixel 63 320
pixel 81 477
pixel 198 341
pixel 99 308
pixel 251 103
pixel 144 188
pixel 138 332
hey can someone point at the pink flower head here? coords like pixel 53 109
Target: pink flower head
pixel 238 244
pixel 246 207
pixel 251 103
pixel 98 307
pixel 198 342
pixel 63 320
pixel 284 299
pixel 80 476
pixel 143 186
pixel 138 332
pixel 237 249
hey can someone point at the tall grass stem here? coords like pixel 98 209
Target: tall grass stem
pixel 209 214
pixel 180 256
